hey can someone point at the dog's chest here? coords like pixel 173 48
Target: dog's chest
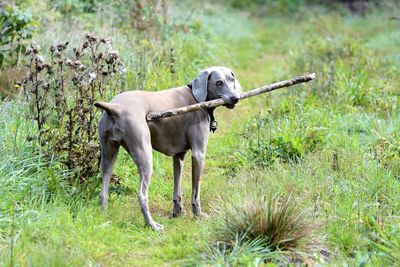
pixel 177 134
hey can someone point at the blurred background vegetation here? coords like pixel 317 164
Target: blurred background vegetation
pixel 321 158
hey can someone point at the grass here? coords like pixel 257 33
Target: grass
pixel 344 128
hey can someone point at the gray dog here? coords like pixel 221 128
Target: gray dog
pixel 124 124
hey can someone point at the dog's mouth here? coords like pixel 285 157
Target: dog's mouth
pixel 230 106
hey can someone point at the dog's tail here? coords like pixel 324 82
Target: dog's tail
pixel 111 109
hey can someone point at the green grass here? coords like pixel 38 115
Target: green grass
pixel 344 127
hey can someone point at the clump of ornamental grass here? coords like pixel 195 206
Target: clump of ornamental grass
pixel 60 93
pixel 279 222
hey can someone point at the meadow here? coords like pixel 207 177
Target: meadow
pixel 331 147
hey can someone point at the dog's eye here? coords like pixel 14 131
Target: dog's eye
pixel 219 83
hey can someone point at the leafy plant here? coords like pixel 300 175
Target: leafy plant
pixel 61 94
pixel 16 26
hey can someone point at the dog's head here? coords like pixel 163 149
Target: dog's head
pixel 214 83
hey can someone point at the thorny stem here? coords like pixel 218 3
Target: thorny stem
pixel 37 102
pixel 70 130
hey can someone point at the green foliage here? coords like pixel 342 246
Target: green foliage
pixel 264 145
pixel 70 7
pixel 16 26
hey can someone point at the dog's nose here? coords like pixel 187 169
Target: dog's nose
pixel 234 99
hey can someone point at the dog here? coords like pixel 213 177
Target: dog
pixel 123 123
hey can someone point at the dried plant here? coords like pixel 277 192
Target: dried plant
pixel 61 93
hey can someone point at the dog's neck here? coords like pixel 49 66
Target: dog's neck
pixel 213 121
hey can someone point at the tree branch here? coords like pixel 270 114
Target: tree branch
pixel 219 102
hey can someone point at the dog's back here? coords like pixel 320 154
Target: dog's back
pixel 168 135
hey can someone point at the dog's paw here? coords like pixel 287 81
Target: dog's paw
pixel 202 215
pixel 177 211
pixel 156 226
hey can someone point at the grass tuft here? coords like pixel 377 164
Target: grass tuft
pixel 279 221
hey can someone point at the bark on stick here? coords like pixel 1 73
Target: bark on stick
pixel 219 102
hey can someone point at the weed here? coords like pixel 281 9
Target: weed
pixel 61 94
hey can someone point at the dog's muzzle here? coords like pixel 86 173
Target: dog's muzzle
pixel 231 101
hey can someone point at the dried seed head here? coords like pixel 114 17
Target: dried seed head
pixel 106 40
pixel 68 62
pixel 62 46
pixel 90 38
pixel 52 48
pixel 39 67
pixel 35 47
pixel 121 67
pixel 77 52
pixel 81 67
pixel 92 76
pixel 85 45
pixel 39 59
pixel 57 54
pixel 78 80
pixel 77 63
pixel 111 57
pixel 28 51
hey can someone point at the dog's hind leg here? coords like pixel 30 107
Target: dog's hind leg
pixel 109 152
pixel 139 147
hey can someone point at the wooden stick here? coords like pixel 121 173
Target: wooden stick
pixel 219 102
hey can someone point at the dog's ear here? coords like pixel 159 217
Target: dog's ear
pixel 238 87
pixel 200 86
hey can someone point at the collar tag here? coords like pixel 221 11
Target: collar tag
pixel 213 126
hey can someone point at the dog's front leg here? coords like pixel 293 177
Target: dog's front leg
pixel 198 158
pixel 177 198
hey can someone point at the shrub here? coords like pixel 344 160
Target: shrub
pixel 61 94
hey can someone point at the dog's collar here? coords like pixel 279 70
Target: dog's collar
pixel 213 121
